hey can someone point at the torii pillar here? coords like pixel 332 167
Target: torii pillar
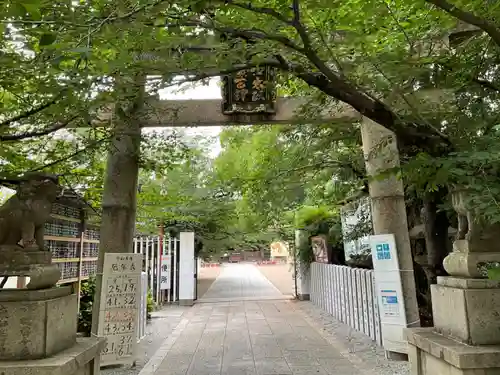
pixel 389 209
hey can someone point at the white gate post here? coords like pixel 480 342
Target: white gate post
pixel 186 268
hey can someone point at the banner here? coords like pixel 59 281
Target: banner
pixel 165 269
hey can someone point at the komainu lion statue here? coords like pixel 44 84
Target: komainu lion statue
pixel 23 216
pixel 480 235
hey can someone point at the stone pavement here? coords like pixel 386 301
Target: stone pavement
pixel 241 282
pixel 245 337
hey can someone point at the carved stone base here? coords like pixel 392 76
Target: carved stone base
pixel 466 310
pixel 464 263
pixel 36 324
pixel 16 261
pixel 466 336
pixel 82 358
pixel 44 276
pixel 433 354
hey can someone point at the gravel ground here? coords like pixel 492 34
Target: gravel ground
pixel 360 349
pixel 280 276
pixel 161 325
pixel 206 277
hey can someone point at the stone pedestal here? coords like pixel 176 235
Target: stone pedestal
pixel 82 358
pixel 37 323
pixel 38 333
pixel 35 264
pixel 466 336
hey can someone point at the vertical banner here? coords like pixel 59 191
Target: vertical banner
pixel 165 270
pixel 120 307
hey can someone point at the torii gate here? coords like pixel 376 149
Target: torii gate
pixel 389 210
pixel 208 112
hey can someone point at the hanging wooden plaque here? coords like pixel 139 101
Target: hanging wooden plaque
pixel 249 91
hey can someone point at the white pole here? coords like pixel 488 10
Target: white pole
pixel 149 250
pixel 158 268
pixel 141 251
pixel 169 250
pixel 176 244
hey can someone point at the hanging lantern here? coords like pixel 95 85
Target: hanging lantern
pixel 249 91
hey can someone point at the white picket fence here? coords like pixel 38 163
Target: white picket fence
pixel 349 295
pixel 141 322
pixel 154 248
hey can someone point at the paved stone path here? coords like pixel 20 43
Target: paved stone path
pixel 241 282
pixel 247 337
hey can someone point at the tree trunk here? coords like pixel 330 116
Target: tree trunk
pixel 119 200
pixel 436 226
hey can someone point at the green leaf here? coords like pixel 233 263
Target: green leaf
pixel 494 273
pixel 160 21
pixel 83 50
pixel 33 9
pixel 47 39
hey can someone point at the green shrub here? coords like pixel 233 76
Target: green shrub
pixel 87 293
pixel 150 304
pixel 311 221
pixel 490 270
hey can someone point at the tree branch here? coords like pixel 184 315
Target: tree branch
pixel 487 84
pixel 309 50
pixel 32 111
pixel 489 28
pixel 261 10
pixel 220 72
pixel 409 134
pixel 254 33
pixel 71 156
pixel 50 129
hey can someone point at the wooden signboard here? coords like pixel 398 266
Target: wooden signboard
pixel 120 307
pixel 320 249
pixel 165 272
pixel 249 91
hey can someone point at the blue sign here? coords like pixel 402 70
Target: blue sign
pixel 390 299
pixel 383 251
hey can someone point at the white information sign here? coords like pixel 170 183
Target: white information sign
pixel 390 303
pixel 120 304
pixel 389 292
pixel 165 268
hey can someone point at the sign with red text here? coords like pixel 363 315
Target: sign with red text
pixel 165 269
pixel 120 307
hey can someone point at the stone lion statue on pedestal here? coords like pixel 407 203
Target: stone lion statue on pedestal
pixel 23 216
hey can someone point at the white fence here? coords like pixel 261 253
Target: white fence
pixel 143 313
pixel 349 295
pixel 161 264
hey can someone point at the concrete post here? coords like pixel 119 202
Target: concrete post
pixel 186 268
pixel 388 207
